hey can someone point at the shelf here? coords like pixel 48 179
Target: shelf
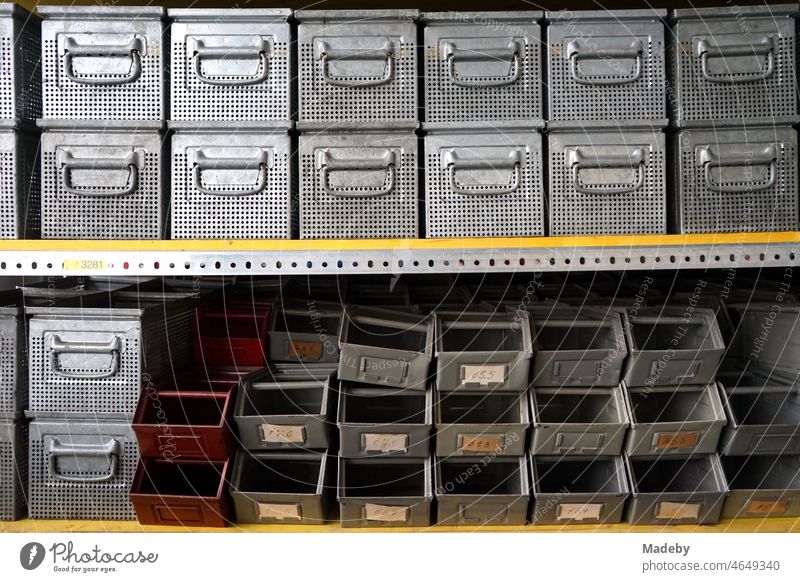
pixel 397 256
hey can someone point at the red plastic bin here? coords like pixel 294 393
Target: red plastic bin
pixel 234 335
pixel 185 493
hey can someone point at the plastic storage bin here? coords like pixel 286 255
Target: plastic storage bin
pixel 13 468
pixel 230 65
pixel 578 421
pixel 103 62
pixel 578 490
pixel 13 355
pixel 20 55
pixel 674 420
pixel 483 182
pixel 495 494
pixel 305 331
pixel 483 66
pixel 481 424
pixel 386 348
pixel 762 486
pixel 385 492
pixel 283 488
pixel 483 352
pixel 670 491
pixel 242 174
pixel 232 334
pixel 189 493
pixel 20 187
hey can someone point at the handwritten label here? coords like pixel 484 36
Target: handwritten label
pixel 385 443
pixel 579 511
pixel 279 511
pixel 84 265
pixel 276 433
pixel 483 374
pixel 394 513
pixel 677 440
pixel 672 510
pixel 300 349
pixel 481 443
pixel 767 507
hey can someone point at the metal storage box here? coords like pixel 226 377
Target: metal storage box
pixel 13 469
pixel 103 62
pixel 20 54
pixel 383 347
pixel 607 65
pixel 357 66
pixel 578 490
pixel 776 352
pixel 734 62
pixel 483 66
pixel 189 493
pixel 385 492
pixel 383 423
pixel 675 490
pixel 231 65
pixel 103 182
pixel 232 333
pixel 670 347
pixel 762 486
pixel 358 185
pixel 384 292
pixel 735 179
pixel 575 350
pixel 13 355
pixel 674 420
pixel 481 181
pixel 305 331
pixel 242 174
pixel 205 378
pixel 283 488
pixel 607 181
pixel 481 424
pixel 483 352
pixel 284 411
pixel 470 493
pixel 20 187
pixel 578 421
pixel 81 468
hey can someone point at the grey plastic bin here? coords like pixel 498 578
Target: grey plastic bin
pixel 13 354
pixel 578 490
pixel 676 490
pixel 762 486
pixel 483 66
pixel 383 423
pixel 481 424
pixel 578 421
pixel 13 468
pixel 283 488
pixel 304 331
pixel 483 352
pixel 387 348
pixel 471 493
pixel 20 55
pixel 674 420
pixel 20 186
pixel 231 65
pixel 385 492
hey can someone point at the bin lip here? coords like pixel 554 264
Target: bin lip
pixel 719 12
pixel 518 320
pixel 709 391
pixel 614 393
pixel 106 125
pixel 620 471
pixel 145 465
pixel 521 399
pixel 712 459
pixel 643 125
pixel 224 15
pixel 355 16
pixel 355 389
pixel 523 461
pixel 522 126
pixel 242 456
pixel 470 18
pixel 298 382
pixel 54 12
pixel 144 398
pixel 388 318
pixel 277 127
pixel 644 14
pixel 427 486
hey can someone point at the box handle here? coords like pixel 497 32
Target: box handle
pixel 130 161
pixel 262 51
pixel 463 516
pixel 600 51
pixel 327 54
pixel 134 49
pixel 762 45
pixel 766 157
pixel 453 162
pixel 452 53
pixel 203 162
pixel 634 160
pixel 328 164
pixel 59 346
pixel 111 450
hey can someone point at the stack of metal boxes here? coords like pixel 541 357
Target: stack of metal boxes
pixel 734 100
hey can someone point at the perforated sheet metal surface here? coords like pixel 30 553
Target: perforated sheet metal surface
pixel 81 469
pixel 484 184
pixel 358 185
pixel 13 362
pixel 20 195
pixel 736 180
pixel 235 184
pixel 20 78
pixel 13 469
pixel 610 182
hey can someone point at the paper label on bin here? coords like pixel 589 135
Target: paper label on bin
pixel 767 507
pixel 278 433
pixel 483 374
pixel 386 443
pixel 84 265
pixel 673 510
pixel 279 511
pixel 677 440
pixel 395 513
pixel 579 511
pixel 481 443
pixel 301 349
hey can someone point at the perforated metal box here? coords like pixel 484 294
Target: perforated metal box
pixel 357 66
pixel 103 62
pixel 81 468
pixel 741 179
pixel 230 65
pixel 607 181
pixel 606 65
pixel 103 183
pixel 20 52
pixel 242 174
pixel 20 194
pixel 13 468
pixel 13 354
pixel 483 66
pixel 732 63
pixel 358 185
pixel 481 181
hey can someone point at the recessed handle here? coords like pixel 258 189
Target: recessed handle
pixel 634 160
pixel 203 162
pixel 327 164
pixel 131 162
pixel 757 46
pixel 59 347
pixel 513 161
pixel 133 49
pixel 708 159
pixel 484 517
pixel 262 52
pixel 111 450
pixel 327 54
pixel 511 52
pixel 603 50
